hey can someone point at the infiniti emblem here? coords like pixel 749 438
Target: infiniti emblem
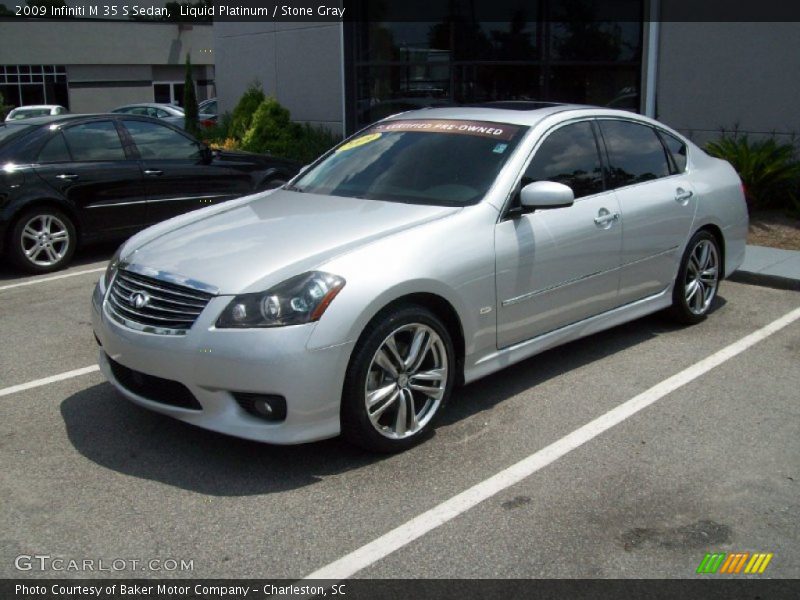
pixel 138 299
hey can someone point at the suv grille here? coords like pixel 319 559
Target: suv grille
pixel 155 303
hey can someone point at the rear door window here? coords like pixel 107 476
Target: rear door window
pixel 677 149
pixel 635 152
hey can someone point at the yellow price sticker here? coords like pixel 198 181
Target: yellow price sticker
pixel 359 141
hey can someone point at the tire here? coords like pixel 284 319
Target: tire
pixel 698 280
pixel 402 413
pixel 42 240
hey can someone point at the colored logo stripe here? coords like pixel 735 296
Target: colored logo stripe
pixel 720 562
pixel 734 562
pixel 759 562
pixel 711 563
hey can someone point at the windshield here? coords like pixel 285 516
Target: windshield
pixel 426 161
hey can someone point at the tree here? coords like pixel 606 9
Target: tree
pixel 4 108
pixel 190 101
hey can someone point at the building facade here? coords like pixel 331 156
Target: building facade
pixel 94 66
pixel 697 77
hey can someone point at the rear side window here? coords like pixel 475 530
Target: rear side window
pixel 158 141
pixel 94 141
pixel 635 152
pixel 677 149
pixel 569 156
pixel 55 150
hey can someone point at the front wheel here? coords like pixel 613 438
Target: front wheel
pixel 698 279
pixel 400 375
pixel 42 240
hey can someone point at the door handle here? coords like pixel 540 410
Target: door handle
pixel 67 176
pixel 682 194
pixel 153 172
pixel 606 218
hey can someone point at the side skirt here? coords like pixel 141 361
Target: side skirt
pixel 500 359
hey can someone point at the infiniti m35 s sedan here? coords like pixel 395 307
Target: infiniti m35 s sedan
pixel 430 249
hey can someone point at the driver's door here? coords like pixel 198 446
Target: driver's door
pixel 561 265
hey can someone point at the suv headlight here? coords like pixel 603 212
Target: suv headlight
pixel 301 299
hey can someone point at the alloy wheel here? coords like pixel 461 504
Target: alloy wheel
pixel 406 381
pixel 45 240
pixel 702 277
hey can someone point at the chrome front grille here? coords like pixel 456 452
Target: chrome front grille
pixel 153 304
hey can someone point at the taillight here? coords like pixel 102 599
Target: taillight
pixel 207 123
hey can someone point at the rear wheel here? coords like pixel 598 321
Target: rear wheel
pixel 42 240
pixel 698 279
pixel 400 375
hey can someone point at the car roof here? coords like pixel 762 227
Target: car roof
pixel 526 113
pixel 50 119
pixel 38 106
pixel 150 105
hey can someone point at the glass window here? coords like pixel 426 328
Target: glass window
pixel 425 161
pixel 55 150
pixel 158 141
pixel 677 149
pixel 569 156
pixel 94 141
pixel 635 152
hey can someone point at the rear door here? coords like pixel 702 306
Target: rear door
pixel 178 175
pixel 88 165
pixel 559 266
pixel 657 203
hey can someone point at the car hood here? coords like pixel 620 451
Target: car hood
pixel 255 244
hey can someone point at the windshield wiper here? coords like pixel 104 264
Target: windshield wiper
pixel 293 188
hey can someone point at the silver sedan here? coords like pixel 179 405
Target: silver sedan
pixel 429 250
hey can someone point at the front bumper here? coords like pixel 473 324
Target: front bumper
pixel 212 363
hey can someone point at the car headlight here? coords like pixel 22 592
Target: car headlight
pixel 301 299
pixel 111 268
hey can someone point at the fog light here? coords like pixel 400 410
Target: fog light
pixel 269 407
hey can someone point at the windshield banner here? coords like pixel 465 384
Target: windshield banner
pixel 497 131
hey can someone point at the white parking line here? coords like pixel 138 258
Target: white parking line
pixel 47 380
pixel 53 278
pixel 366 555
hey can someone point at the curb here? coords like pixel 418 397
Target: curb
pixel 765 280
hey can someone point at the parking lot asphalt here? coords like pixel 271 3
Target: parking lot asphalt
pixel 712 466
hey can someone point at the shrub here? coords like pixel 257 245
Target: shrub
pixel 769 170
pixel 273 132
pixel 4 108
pixel 242 115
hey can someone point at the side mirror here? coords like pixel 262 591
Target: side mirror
pixel 546 194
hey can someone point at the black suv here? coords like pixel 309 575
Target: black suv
pixel 83 178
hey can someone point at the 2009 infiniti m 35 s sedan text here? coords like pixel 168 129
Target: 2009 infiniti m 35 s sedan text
pixel 432 248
